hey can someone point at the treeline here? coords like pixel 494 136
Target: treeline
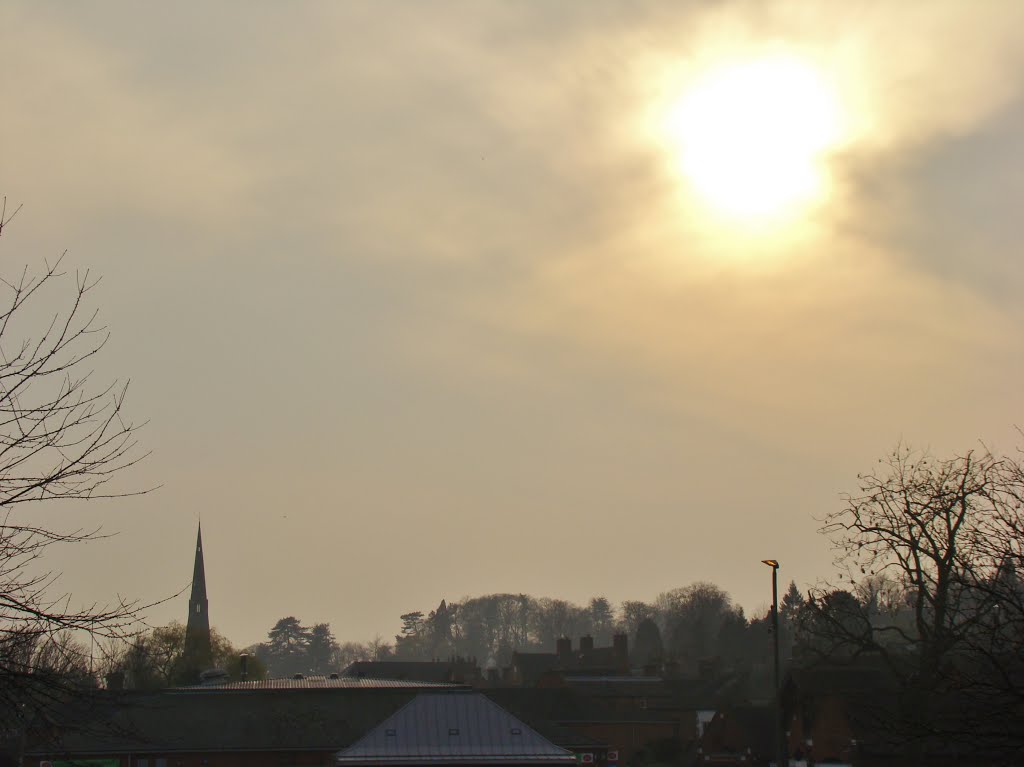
pixel 683 626
pixel 680 629
pixel 152 659
pixel 157 658
pixel 292 648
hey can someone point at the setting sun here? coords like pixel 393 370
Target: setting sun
pixel 750 137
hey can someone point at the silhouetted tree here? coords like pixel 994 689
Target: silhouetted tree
pixel 441 621
pixel 156 659
pixel 792 603
pixel 322 648
pixel 62 438
pixel 413 641
pixel 602 620
pixel 790 609
pixel 379 649
pixel 286 651
pixel 835 626
pixel 941 530
pixel 554 618
pixel 493 625
pixel 633 614
pixel 694 616
pixel 648 647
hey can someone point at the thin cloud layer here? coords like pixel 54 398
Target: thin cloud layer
pixel 413 274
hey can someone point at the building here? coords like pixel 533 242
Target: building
pixel 299 722
pixel 739 736
pixel 198 654
pixel 445 730
pixel 313 721
pixel 529 668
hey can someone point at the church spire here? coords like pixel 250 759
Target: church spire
pixel 198 653
pixel 198 582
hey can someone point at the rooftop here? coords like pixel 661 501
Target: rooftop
pixel 465 728
pixel 317 682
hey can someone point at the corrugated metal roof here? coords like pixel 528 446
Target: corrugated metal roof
pixel 453 728
pixel 317 682
pixel 207 720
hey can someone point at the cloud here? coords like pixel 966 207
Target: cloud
pixel 80 131
pixel 431 254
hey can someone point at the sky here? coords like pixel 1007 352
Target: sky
pixel 426 300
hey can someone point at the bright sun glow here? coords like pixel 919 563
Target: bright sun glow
pixel 751 138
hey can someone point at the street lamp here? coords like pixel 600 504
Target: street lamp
pixel 780 751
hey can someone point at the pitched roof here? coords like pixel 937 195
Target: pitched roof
pixel 318 682
pixel 453 728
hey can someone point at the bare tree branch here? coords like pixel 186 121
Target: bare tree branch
pixel 947 534
pixel 62 438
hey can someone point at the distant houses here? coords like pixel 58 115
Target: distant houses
pixel 579 704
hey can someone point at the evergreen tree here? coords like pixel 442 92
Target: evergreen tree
pixel 792 603
pixel 648 647
pixel 286 651
pixel 322 648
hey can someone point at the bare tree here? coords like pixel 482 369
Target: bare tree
pixel 158 659
pixel 938 541
pixel 62 438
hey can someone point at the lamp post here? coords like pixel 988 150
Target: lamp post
pixel 780 749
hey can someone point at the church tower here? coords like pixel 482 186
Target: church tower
pixel 198 654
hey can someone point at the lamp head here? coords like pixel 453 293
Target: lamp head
pixel 773 563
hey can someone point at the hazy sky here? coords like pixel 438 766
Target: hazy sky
pixel 418 303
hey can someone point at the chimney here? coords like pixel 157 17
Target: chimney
pixel 621 644
pixel 586 643
pixel 563 647
pixel 243 664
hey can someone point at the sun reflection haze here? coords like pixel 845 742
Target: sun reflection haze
pixel 751 137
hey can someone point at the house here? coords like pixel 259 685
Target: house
pixel 603 734
pixel 840 714
pixel 302 722
pixel 739 736
pixel 529 668
pixel 305 721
